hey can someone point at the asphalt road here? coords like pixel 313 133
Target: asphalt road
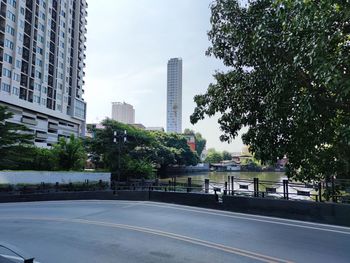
pixel 123 231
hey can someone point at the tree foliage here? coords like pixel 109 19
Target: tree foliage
pixel 288 82
pixel 15 142
pixel 69 154
pixel 213 156
pixel 141 153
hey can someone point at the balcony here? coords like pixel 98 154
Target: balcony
pixel 28 120
pixel 53 126
pixel 41 135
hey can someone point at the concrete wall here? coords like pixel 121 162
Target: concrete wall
pixel 92 195
pixel 37 177
pixel 191 199
pixel 329 213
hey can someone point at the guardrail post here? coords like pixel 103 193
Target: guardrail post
pixel 228 184
pixel 206 186
pixel 256 187
pixel 285 190
pixel 225 191
pixel 216 195
pixel 232 185
pixel 333 190
pixel 320 192
pixel 189 184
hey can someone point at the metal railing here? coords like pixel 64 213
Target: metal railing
pixel 334 191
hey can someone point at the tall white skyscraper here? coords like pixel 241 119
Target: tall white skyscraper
pixel 174 96
pixel 42 46
pixel 123 112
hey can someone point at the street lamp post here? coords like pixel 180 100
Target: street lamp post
pixel 119 137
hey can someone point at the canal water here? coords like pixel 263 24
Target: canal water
pixel 221 177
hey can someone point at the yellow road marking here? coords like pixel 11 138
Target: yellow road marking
pixel 217 246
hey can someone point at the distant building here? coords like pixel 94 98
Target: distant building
pixel 161 129
pixel 123 112
pixel 42 53
pixel 191 141
pixel 174 95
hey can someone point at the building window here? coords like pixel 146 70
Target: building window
pixel 6 72
pixel 9 44
pixel 8 58
pixel 36 99
pixel 79 110
pixel 10 30
pixel 37 87
pixel 18 64
pixel 15 91
pixel 21 23
pixel 13 3
pixel 5 87
pixel 11 16
pixel 16 77
pixel 38 74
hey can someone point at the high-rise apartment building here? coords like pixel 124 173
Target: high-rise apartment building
pixel 42 46
pixel 123 112
pixel 174 96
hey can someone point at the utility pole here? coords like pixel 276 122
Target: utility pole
pixel 119 137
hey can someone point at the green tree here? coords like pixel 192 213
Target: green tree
pixel 70 154
pixel 41 160
pixel 15 142
pixel 134 152
pixel 213 156
pixel 142 153
pixel 226 156
pixel 288 82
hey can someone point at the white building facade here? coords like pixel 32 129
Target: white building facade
pixel 42 53
pixel 174 95
pixel 123 112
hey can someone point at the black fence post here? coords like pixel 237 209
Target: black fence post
pixel 189 184
pixel 333 191
pixel 225 191
pixel 232 185
pixel 175 184
pixel 285 190
pixel 256 187
pixel 206 186
pixel 327 189
pixel 228 184
pixel 320 192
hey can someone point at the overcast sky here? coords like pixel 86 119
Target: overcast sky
pixel 129 44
